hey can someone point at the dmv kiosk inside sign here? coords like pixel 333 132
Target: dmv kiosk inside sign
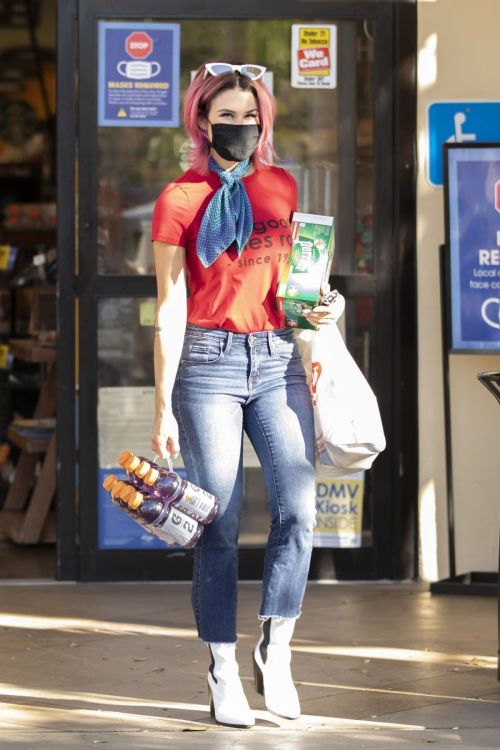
pixel 314 56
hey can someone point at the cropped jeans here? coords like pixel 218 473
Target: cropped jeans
pixel 228 383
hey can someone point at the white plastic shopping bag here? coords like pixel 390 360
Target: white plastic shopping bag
pixel 347 423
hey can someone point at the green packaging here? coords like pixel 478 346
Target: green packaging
pixel 308 268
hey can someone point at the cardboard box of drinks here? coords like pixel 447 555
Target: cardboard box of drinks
pixel 313 243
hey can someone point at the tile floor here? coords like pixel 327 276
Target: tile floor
pixel 377 666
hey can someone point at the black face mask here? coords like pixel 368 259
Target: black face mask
pixel 234 142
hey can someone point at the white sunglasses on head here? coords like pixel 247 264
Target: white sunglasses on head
pixel 219 68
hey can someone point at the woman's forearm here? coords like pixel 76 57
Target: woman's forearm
pixel 169 337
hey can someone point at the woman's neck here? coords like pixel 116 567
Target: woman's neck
pixel 228 165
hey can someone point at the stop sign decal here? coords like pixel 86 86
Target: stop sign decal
pixel 497 196
pixel 139 45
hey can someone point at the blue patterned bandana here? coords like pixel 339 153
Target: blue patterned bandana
pixel 228 217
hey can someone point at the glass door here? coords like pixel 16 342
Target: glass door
pixel 331 140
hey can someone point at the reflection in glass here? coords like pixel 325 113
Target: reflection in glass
pixel 357 327
pixel 364 251
pixel 358 322
pixel 125 342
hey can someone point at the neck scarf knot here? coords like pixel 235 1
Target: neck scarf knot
pixel 228 217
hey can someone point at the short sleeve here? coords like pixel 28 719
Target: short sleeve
pixel 171 216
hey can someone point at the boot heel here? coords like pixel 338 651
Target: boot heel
pixel 258 677
pixel 228 703
pixel 211 702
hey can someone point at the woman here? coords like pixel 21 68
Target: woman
pixel 225 363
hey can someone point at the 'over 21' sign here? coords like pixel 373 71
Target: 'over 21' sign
pixel 473 203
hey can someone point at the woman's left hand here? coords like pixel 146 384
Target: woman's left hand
pixel 324 315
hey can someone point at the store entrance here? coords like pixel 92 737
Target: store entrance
pixel 335 135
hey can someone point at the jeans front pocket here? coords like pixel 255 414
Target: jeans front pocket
pixel 285 347
pixel 198 353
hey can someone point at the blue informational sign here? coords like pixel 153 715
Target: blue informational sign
pixel 473 192
pixel 116 529
pixel 458 122
pixel 138 82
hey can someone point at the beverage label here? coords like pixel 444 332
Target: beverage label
pixel 159 532
pixel 196 502
pixel 308 268
pixel 179 526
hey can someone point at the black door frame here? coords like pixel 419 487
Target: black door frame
pixel 394 366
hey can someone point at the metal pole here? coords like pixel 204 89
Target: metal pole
pixel 447 410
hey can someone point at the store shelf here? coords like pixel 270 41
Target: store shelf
pixel 25 516
pixel 29 350
pixel 28 444
pixel 32 385
pixel 28 236
pixel 13 527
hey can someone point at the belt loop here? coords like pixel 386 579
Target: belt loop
pixel 229 341
pixel 270 342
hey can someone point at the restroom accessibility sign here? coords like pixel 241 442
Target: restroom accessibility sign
pixel 314 56
pixel 138 84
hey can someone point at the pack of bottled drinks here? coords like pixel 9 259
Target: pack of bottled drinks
pixel 161 501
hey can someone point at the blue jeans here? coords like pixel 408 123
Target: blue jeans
pixel 226 383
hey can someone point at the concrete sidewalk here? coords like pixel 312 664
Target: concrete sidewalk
pixel 119 665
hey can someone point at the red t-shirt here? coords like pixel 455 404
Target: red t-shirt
pixel 237 294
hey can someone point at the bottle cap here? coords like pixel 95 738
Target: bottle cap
pixel 136 500
pixel 151 476
pixel 125 457
pixel 108 483
pixel 125 491
pixel 116 488
pixel 133 462
pixel 142 469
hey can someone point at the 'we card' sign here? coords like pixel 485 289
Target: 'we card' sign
pixel 314 56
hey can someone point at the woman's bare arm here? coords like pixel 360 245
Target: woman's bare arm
pixel 171 312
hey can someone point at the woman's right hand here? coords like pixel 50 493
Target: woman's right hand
pixel 165 435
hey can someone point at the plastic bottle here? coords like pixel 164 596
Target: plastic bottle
pixel 130 462
pixel 136 468
pixel 170 487
pixel 156 516
pixel 165 484
pixel 117 490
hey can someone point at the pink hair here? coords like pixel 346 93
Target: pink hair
pixel 199 95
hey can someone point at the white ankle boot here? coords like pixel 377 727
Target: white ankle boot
pixel 228 703
pixel 271 660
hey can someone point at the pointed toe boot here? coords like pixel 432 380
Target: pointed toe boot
pixel 228 703
pixel 272 673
